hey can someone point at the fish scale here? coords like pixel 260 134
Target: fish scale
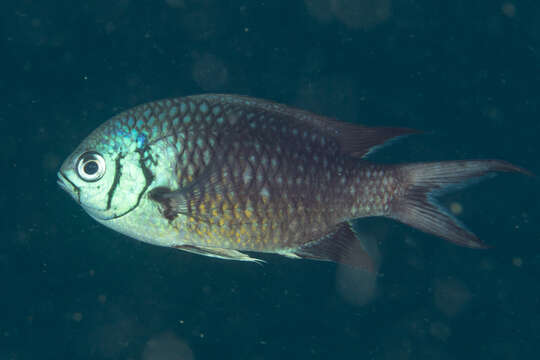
pixel 252 187
pixel 220 174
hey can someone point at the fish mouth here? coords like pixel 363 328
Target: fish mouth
pixel 67 185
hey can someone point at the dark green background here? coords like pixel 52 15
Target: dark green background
pixel 466 72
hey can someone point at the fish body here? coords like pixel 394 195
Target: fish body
pixel 221 174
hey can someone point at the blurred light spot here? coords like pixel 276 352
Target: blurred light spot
pixel 166 346
pixel 456 208
pixel 517 261
pixel 357 286
pixel 76 317
pixel 508 9
pixel 494 114
pixel 176 3
pixel 209 72
pixel 110 27
pixel 411 242
pixel 356 14
pixel 102 298
pixel 320 10
pixel 439 331
pixel 361 13
pixel 451 296
pixel 22 237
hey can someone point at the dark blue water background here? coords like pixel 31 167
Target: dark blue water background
pixel 466 72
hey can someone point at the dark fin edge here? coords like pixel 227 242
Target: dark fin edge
pixel 341 245
pixel 362 141
pixel 419 209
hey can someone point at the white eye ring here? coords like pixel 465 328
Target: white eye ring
pixel 91 166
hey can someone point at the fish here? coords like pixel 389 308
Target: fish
pixel 226 175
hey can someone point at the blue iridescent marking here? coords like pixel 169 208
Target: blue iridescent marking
pixel 141 140
pixel 162 116
pixel 147 113
pixel 183 108
pixel 187 119
pixel 131 121
pixel 203 107
pixel 140 123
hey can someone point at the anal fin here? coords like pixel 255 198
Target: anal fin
pixel 226 254
pixel 341 245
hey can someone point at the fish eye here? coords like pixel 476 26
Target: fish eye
pixel 91 166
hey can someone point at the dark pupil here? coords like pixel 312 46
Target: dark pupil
pixel 91 167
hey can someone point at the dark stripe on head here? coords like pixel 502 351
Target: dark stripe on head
pixel 148 177
pixel 116 181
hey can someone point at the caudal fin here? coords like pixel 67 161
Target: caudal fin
pixel 418 208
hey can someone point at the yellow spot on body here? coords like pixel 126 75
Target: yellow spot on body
pixel 456 208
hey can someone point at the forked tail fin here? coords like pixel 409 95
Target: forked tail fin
pixel 416 206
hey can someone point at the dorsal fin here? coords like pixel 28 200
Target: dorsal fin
pixel 360 141
pixel 340 245
pixel 355 140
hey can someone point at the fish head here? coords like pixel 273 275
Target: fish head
pixel 104 173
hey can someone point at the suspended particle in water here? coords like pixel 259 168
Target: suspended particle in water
pixel 508 9
pixel 166 346
pixel 361 14
pixel 456 208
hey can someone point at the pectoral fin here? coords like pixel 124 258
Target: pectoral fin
pixel 219 253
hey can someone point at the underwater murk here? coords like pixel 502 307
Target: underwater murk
pixel 331 210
